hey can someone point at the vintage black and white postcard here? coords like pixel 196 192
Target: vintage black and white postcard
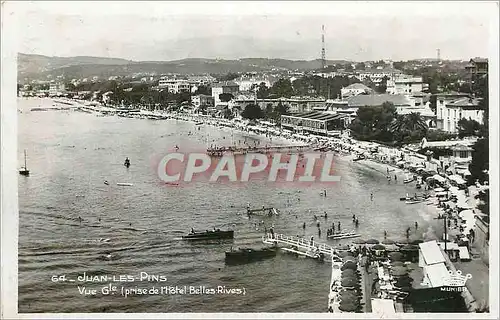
pixel 253 159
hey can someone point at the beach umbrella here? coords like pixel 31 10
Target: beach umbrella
pixel 349 265
pixel 350 274
pixel 404 282
pixel 378 247
pixel 349 258
pixel 395 256
pixel 388 241
pixel 397 263
pixel 349 306
pixel 350 295
pixel 372 241
pixel 399 271
pixel 409 247
pixel 345 254
pixel 349 282
pixel 359 241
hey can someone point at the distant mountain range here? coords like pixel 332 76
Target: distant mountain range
pixel 39 66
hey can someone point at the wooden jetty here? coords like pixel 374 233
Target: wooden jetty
pixel 268 211
pixel 220 151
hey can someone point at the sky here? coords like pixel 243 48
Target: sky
pixel 155 31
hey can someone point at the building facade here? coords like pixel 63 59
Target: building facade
pixel 353 90
pixel 202 101
pixel 56 89
pixel 174 85
pixel 448 113
pixel 315 122
pixel 224 87
pixel 404 84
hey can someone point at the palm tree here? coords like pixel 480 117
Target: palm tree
pixel 408 124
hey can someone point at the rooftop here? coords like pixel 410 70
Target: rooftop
pixel 225 84
pixel 464 102
pixel 357 86
pixel 479 60
pixel 378 99
pixel 320 116
pixel 431 253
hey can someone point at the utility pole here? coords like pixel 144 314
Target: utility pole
pixel 323 51
pixel 443 217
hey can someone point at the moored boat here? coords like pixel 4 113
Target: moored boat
pixel 413 201
pixel 344 235
pixel 24 170
pixel 360 157
pixel 246 255
pixel 209 235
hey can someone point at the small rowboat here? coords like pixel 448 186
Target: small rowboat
pixel 345 235
pixel 124 184
pixel 413 201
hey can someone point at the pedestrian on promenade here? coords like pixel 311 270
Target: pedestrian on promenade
pixel 317 224
pixel 312 240
pixel 385 234
pixel 338 225
pixel 304 226
pixel 319 232
pixel 395 178
pixel 371 196
pixel 416 225
pixel 353 218
pixel 357 223
pixel 326 216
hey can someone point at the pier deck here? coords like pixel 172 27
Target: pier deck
pixel 299 243
pixel 256 149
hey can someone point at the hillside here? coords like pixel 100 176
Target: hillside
pixel 34 64
pixel 39 67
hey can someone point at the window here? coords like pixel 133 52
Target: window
pixel 463 154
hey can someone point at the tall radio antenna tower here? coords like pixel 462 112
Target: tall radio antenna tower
pixel 323 52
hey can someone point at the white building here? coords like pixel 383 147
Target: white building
pixel 203 80
pixel 56 89
pixel 202 101
pixel 175 85
pixel 224 87
pixel 450 112
pixel 353 90
pixel 377 75
pixel 404 84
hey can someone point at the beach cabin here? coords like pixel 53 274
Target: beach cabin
pixel 432 261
